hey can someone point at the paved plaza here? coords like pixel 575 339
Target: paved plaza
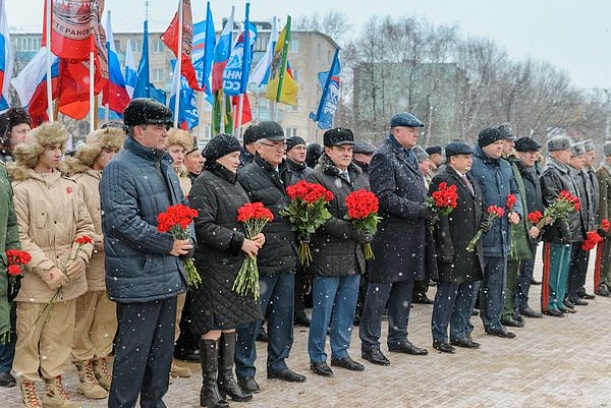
pixel 553 362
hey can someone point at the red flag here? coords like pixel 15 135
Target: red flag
pixel 246 110
pixel 73 24
pixel 170 39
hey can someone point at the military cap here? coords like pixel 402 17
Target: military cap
pixel 577 149
pixel 455 148
pixel 145 111
pixel 559 142
pixel 338 136
pixel 405 119
pixel 527 144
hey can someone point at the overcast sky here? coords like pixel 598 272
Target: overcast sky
pixel 572 34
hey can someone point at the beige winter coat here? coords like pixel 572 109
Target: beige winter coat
pixel 51 214
pixel 89 182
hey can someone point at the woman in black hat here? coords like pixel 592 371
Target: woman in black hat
pixel 221 249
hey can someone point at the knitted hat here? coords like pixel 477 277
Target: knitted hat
pixel 221 145
pixel 26 154
pixel 588 144
pixel 179 137
pixel 559 142
pixel 526 144
pixel 434 150
pixel 488 136
pixel 294 141
pixel 607 148
pixel 421 154
pixel 455 148
pixel 364 147
pixel 577 149
pixel 405 119
pixel 338 136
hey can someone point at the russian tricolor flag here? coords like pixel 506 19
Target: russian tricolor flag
pixel 6 61
pixel 131 72
pixel 222 52
pixel 115 93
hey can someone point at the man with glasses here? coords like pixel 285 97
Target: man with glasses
pixel 144 267
pixel 265 180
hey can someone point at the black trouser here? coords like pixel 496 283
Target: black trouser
pixel 187 342
pixel 420 289
pixel 143 353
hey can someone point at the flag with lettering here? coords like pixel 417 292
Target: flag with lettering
pixel 235 74
pixel 221 54
pixel 329 81
pixel 73 24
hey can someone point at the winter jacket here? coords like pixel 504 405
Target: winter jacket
pixel 555 178
pixel 89 182
pixel 495 177
pixel 532 192
pixel 9 239
pixel 593 197
pixel 454 231
pixel 298 171
pixel 401 241
pixel 581 180
pixel 521 247
pixel 51 213
pixel 335 252
pixel 137 185
pixel 268 186
pixel 603 175
pixel 217 196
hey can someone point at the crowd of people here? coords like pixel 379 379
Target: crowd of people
pixel 104 280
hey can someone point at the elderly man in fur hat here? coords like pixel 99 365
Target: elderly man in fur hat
pixel 603 174
pixel 96 321
pixel 51 215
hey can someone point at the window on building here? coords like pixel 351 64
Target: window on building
pixel 158 46
pixel 118 45
pixel 158 75
pixel 295 74
pixel 294 45
pixel 290 132
pixel 136 45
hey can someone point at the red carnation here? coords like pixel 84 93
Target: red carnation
pixel 511 200
pixel 363 208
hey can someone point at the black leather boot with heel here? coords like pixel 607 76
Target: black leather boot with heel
pixel 209 395
pixel 227 384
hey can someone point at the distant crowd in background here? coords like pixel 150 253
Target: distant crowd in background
pixel 90 277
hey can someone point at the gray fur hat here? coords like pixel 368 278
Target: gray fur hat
pixel 421 154
pixel 577 149
pixel 607 148
pixel 557 143
pixel 589 145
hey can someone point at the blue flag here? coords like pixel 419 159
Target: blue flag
pixel 235 74
pixel 329 81
pixel 187 104
pixel 204 42
pixel 144 88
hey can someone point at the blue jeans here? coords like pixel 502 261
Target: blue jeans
pixel 7 350
pixel 277 302
pixel 334 299
pixel 398 295
pixel 492 297
pixel 453 306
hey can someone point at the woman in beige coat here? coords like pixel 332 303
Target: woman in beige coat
pixel 51 214
pixel 96 320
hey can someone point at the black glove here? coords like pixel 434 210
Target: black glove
pixel 426 213
pixel 362 237
pixel 485 226
pixel 14 284
pixel 602 232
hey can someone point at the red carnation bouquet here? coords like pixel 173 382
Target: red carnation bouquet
pixel 363 212
pixel 592 239
pixel 494 212
pixel 254 216
pixel 175 221
pixel 16 260
pixel 306 212
pixel 562 205
pixel 443 200
pixel 511 201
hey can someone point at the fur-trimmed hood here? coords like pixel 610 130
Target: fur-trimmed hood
pixel 26 154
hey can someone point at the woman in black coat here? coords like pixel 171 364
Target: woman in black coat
pixel 221 250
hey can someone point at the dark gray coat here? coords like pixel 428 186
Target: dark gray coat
pixel 334 252
pixel 400 244
pixel 454 231
pixel 263 184
pixel 217 196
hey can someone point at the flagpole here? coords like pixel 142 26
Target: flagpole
pixel 178 63
pixel 91 91
pixel 50 109
pixel 240 108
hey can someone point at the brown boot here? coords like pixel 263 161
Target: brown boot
pixel 177 371
pixel 56 396
pixel 102 374
pixel 88 383
pixel 29 398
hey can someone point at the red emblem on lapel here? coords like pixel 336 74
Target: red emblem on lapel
pixel 69 190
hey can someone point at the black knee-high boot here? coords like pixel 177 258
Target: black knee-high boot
pixel 209 395
pixel 226 381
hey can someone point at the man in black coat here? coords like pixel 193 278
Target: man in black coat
pixel 400 242
pixel 265 180
pixel 459 270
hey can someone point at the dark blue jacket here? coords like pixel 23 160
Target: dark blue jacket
pixel 495 177
pixel 136 186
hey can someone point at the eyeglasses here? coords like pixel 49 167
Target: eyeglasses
pixel 274 145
